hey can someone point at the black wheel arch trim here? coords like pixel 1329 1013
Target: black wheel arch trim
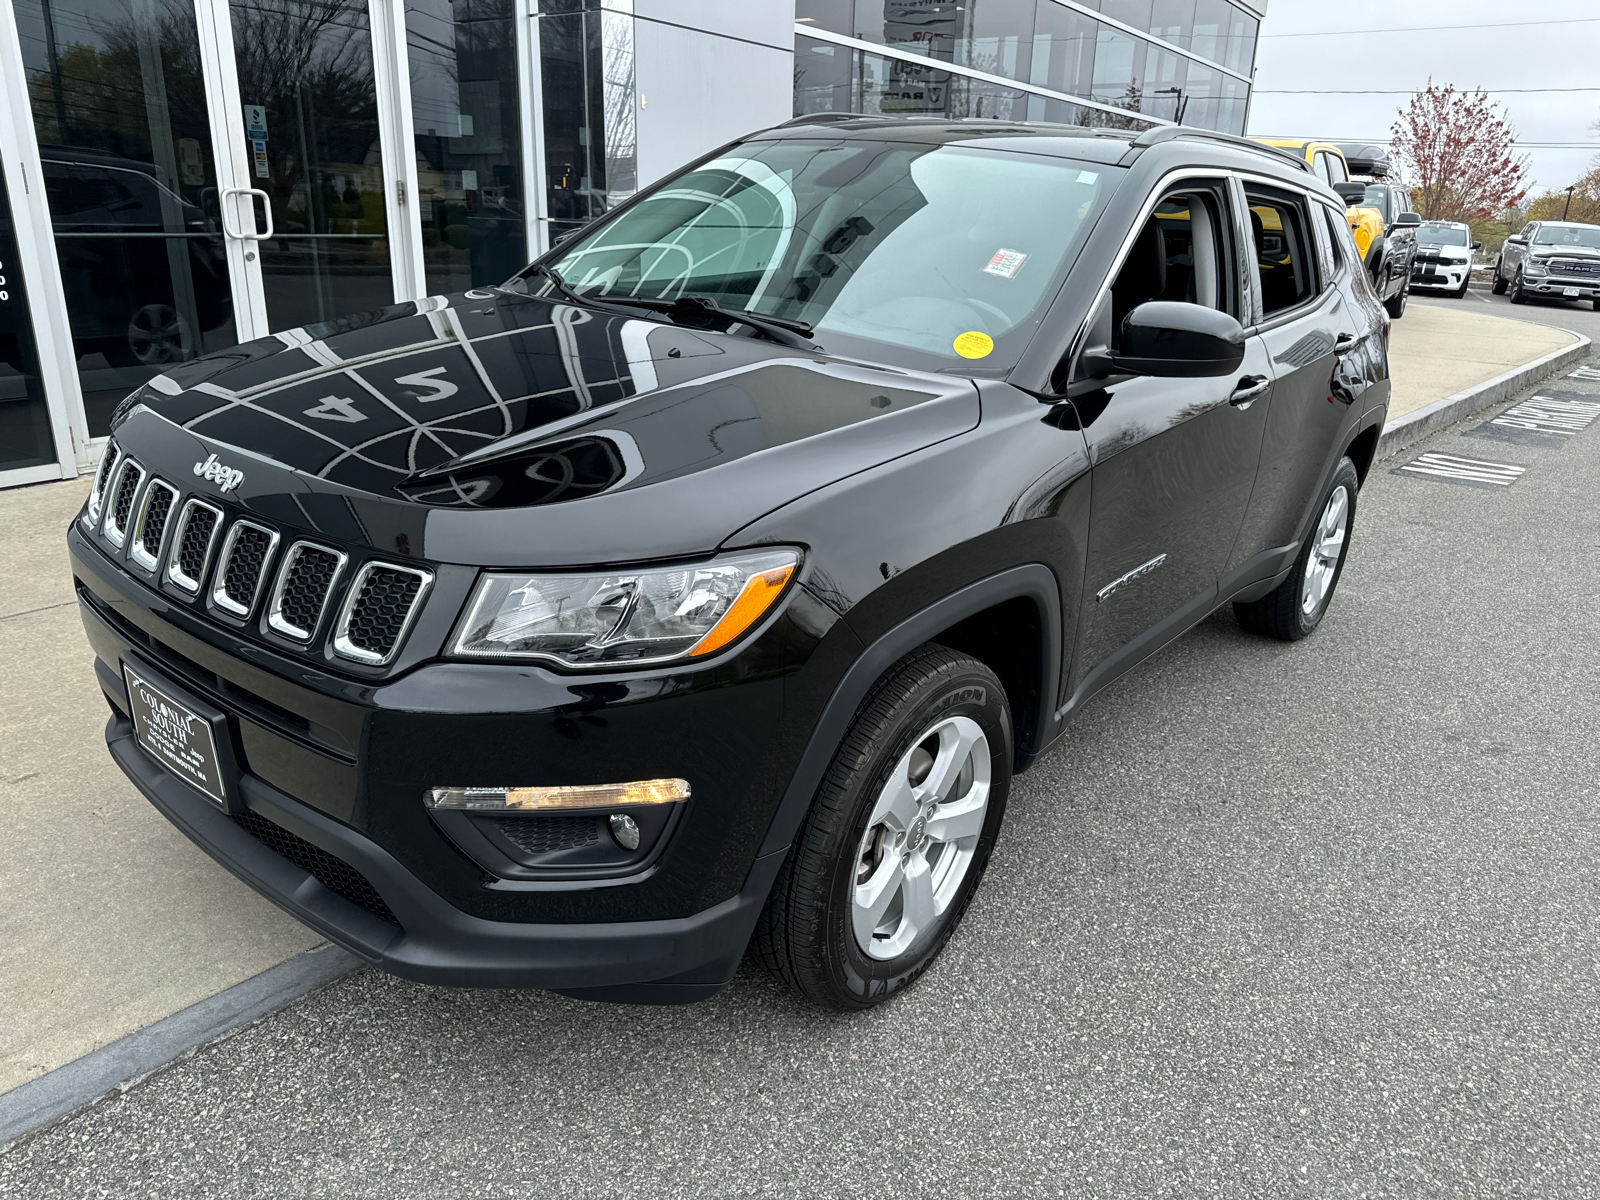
pixel 1032 581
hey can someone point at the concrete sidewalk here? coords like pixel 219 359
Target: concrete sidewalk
pixel 114 920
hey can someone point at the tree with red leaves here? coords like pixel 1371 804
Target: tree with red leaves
pixel 1457 151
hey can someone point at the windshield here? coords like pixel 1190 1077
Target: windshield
pixel 1568 235
pixel 1438 235
pixel 946 251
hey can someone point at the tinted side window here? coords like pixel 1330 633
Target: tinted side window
pixel 1284 250
pixel 1182 253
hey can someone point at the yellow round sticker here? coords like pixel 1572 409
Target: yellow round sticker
pixel 973 344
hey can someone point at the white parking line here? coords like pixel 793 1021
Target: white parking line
pixel 1472 470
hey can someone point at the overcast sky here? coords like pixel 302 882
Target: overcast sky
pixel 1495 55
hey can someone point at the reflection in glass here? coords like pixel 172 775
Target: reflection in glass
pixel 465 109
pixel 24 419
pixel 308 63
pixel 590 151
pixel 119 109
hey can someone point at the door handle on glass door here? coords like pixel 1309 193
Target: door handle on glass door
pixel 266 203
pixel 1249 388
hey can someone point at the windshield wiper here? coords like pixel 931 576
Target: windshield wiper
pixel 781 330
pixel 572 296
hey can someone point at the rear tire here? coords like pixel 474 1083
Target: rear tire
pixel 1396 304
pixel 887 861
pixel 1295 608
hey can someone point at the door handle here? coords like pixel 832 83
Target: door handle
pixel 1249 388
pixel 1344 343
pixel 227 227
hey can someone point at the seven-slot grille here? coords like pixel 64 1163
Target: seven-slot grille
pixel 122 495
pixel 304 584
pixel 150 518
pixel 191 546
pixel 242 567
pixel 377 612
pixel 154 515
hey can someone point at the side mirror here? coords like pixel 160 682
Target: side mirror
pixel 1407 220
pixel 1517 240
pixel 1351 193
pixel 1477 245
pixel 1179 341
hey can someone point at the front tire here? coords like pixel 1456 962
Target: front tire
pixel 1518 296
pixel 1498 287
pixel 897 838
pixel 1462 290
pixel 1396 304
pixel 1295 608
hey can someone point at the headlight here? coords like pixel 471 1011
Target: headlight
pixel 621 618
pixel 1533 267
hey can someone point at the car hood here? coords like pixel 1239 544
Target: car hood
pixel 495 428
pixel 1542 252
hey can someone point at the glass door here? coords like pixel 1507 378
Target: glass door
pixel 117 96
pixel 309 141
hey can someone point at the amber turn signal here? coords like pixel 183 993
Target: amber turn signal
pixel 758 595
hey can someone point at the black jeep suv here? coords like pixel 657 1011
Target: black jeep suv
pixel 702 588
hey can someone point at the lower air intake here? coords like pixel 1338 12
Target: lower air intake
pixel 333 873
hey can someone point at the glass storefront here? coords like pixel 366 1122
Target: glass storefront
pixel 1052 44
pixel 466 118
pixel 125 147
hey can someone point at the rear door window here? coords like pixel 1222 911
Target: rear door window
pixel 1285 254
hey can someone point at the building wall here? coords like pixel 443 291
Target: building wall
pixel 707 72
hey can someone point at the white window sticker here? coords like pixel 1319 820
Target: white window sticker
pixel 1005 263
pixel 1087 176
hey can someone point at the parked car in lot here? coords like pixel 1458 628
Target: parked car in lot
pixel 704 586
pixel 1558 259
pixel 1444 257
pixel 1380 217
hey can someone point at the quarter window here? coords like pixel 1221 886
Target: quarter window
pixel 1283 249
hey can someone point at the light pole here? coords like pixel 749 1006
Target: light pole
pixel 1568 207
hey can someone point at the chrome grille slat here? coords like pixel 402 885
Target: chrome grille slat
pixel 150 529
pixel 192 540
pixel 242 567
pixel 305 582
pixel 382 603
pixel 108 467
pixel 119 500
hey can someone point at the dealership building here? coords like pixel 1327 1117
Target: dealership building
pixel 183 175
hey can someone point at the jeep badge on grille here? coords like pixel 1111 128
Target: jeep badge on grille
pixel 226 478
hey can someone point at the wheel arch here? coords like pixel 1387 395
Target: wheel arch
pixel 973 619
pixel 1361 450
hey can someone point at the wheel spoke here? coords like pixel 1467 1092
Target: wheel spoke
pixel 961 820
pixel 1330 546
pixel 872 898
pixel 920 909
pixel 897 804
pixel 956 740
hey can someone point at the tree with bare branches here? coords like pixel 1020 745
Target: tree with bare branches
pixel 1458 152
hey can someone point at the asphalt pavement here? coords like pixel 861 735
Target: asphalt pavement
pixel 1578 316
pixel 1313 919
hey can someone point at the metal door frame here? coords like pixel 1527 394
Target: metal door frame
pixel 41 272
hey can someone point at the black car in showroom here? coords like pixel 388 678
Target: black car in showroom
pixel 701 589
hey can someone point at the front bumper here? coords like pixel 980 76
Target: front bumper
pixel 674 931
pixel 672 961
pixel 1442 278
pixel 1550 285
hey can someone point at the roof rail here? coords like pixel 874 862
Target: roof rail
pixel 821 118
pixel 1170 133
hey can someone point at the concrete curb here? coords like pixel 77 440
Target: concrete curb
pixel 58 1093
pixel 1414 426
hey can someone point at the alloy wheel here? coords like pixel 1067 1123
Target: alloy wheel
pixel 1325 551
pixel 920 837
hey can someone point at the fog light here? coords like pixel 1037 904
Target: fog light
pixel 626 830
pixel 547 799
